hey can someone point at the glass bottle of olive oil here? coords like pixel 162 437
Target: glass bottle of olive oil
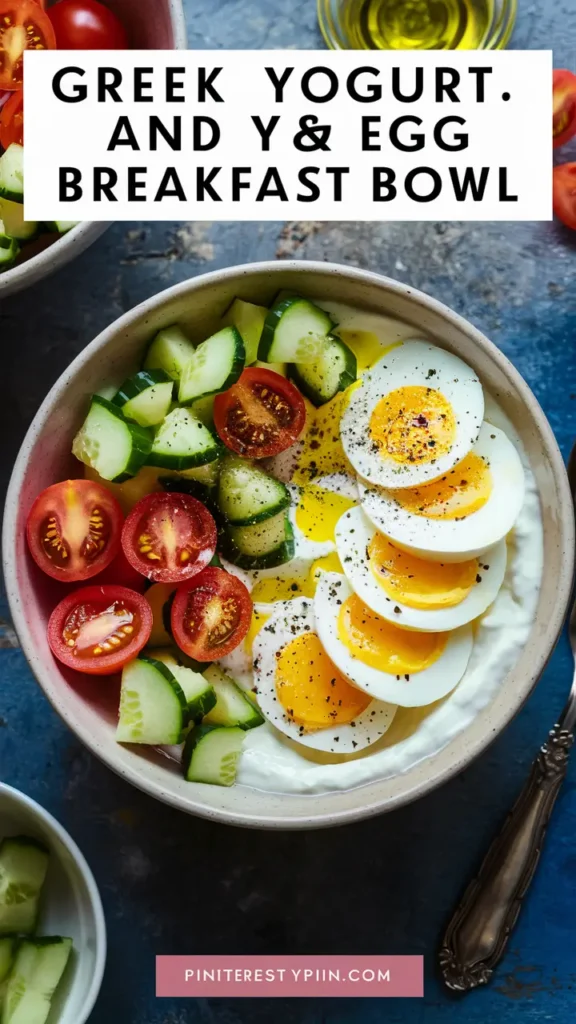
pixel 416 24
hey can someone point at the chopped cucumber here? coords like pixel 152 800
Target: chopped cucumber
pixel 111 445
pixel 260 546
pixel 295 332
pixel 12 174
pixel 247 494
pixel 146 397
pixel 35 976
pixel 8 946
pixel 249 320
pixel 215 366
pixel 25 1007
pixel 195 489
pixel 61 226
pixel 183 441
pixel 232 706
pixel 334 371
pixel 199 692
pixel 153 708
pixel 12 215
pixel 281 368
pixel 157 596
pixel 23 866
pixel 204 409
pixel 9 249
pixel 211 754
pixel 170 351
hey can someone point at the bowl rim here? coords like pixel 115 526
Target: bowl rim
pixel 54 826
pixel 476 745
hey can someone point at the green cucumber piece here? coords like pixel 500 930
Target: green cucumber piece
pixel 61 226
pixel 211 754
pixel 249 320
pixel 247 494
pixel 8 946
pixel 35 976
pixel 146 397
pixel 182 441
pixel 23 867
pixel 334 371
pixel 9 249
pixel 110 444
pixel 199 692
pixel 295 331
pixel 232 707
pixel 260 546
pixel 170 351
pixel 215 366
pixel 153 708
pixel 12 216
pixel 12 174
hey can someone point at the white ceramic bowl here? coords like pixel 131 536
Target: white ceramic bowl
pixel 45 457
pixel 71 904
pixel 151 25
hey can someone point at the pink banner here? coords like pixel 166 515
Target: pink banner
pixel 266 976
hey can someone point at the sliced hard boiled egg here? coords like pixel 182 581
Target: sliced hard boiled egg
pixel 407 668
pixel 369 335
pixel 412 592
pixel 314 512
pixel 414 416
pixel 469 509
pixel 302 693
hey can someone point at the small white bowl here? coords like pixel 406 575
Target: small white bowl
pixel 71 904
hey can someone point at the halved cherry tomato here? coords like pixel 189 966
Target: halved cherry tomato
pixel 564 194
pixel 261 415
pixel 12 120
pixel 211 614
pixel 564 107
pixel 98 629
pixel 123 574
pixel 74 530
pixel 169 537
pixel 23 26
pixel 87 25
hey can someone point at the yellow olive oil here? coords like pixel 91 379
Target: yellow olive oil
pixel 416 24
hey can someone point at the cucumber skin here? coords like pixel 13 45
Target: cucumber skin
pixel 348 376
pixel 193 739
pixel 179 692
pixel 260 517
pixel 195 489
pixel 271 323
pixel 179 462
pixel 279 556
pixel 238 364
pixel 139 382
pixel 141 440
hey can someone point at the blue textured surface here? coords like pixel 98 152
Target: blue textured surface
pixel 173 884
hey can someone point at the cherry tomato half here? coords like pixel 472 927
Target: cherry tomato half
pixel 23 26
pixel 564 194
pixel 564 107
pixel 261 415
pixel 74 530
pixel 122 574
pixel 87 25
pixel 98 629
pixel 211 614
pixel 169 537
pixel 12 120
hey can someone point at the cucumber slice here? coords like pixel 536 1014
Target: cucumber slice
pixel 25 1008
pixel 295 332
pixel 9 249
pixel 183 441
pixel 153 708
pixel 12 214
pixel 198 690
pixel 35 976
pixel 215 366
pixel 211 755
pixel 111 445
pixel 8 946
pixel 170 351
pixel 12 174
pixel 247 494
pixel 249 320
pixel 146 397
pixel 260 546
pixel 61 226
pixel 281 368
pixel 334 371
pixel 232 706
pixel 23 867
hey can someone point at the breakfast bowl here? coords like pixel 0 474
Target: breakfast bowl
pixel 150 25
pixel 70 904
pixel 424 746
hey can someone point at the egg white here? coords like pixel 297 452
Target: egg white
pixel 290 619
pixel 354 533
pixel 420 688
pixel 412 364
pixel 306 549
pixel 387 330
pixel 456 540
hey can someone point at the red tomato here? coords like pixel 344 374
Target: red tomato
pixel 169 537
pixel 74 530
pixel 122 573
pixel 23 26
pixel 98 629
pixel 87 25
pixel 564 107
pixel 211 614
pixel 261 415
pixel 12 120
pixel 564 194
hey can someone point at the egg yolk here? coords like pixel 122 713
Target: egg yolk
pixel 322 452
pixel 383 645
pixel 413 424
pixel 312 691
pixel 457 494
pixel 366 346
pixel 277 588
pixel 258 620
pixel 318 511
pixel 329 563
pixel 417 583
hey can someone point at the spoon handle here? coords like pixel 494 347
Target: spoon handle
pixel 479 930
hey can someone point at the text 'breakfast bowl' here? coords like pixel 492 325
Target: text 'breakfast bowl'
pixel 323 535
